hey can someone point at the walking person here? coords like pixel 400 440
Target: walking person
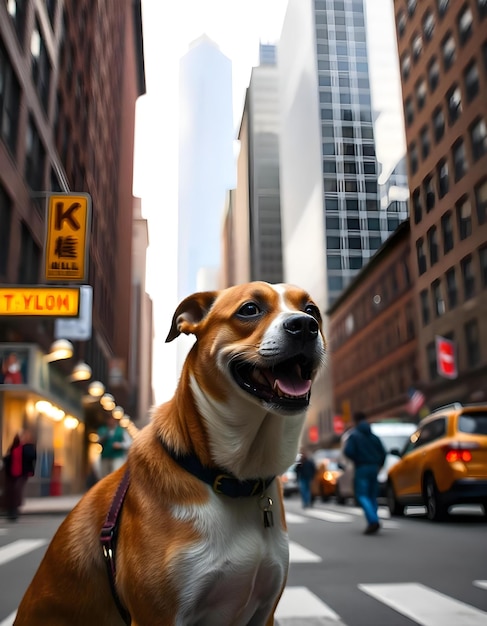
pixel 19 464
pixel 115 442
pixel 368 455
pixel 305 472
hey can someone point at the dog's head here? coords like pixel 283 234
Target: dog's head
pixel 263 342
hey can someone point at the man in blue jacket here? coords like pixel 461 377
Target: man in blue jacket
pixel 368 454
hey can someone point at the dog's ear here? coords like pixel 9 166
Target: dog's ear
pixel 190 313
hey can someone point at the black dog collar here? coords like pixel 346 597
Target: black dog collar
pixel 220 480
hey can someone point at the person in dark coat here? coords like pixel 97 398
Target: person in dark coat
pixel 19 464
pixel 368 455
pixel 305 472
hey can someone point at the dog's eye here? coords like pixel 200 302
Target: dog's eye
pixel 249 309
pixel 312 310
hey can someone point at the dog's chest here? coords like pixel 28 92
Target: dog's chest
pixel 235 573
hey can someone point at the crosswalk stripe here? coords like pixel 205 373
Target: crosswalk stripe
pixel 298 554
pixel 328 516
pixel 298 603
pixel 292 518
pixel 19 548
pixel 426 606
pixel 8 621
pixel 482 584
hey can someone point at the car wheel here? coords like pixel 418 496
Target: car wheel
pixel 395 508
pixel 339 498
pixel 435 507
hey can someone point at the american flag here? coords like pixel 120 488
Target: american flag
pixel 416 401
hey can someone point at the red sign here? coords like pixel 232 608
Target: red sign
pixel 446 358
pixel 313 434
pixel 338 425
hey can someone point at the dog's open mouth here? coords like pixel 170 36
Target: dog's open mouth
pixel 286 384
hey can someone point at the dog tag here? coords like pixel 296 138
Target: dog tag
pixel 266 506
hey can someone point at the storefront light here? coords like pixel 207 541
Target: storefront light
pixel 81 371
pixel 107 401
pixel 96 389
pixel 118 412
pixel 125 421
pixel 70 422
pixel 60 349
pixel 56 414
pixel 43 406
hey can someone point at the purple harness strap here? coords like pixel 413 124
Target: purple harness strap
pixel 108 539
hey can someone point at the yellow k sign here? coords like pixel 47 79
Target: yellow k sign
pixel 67 231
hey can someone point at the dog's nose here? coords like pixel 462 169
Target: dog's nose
pixel 302 327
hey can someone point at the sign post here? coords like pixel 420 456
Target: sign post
pixel 446 358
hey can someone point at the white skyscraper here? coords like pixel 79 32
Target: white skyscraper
pixel 206 162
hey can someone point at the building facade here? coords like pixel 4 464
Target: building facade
pixel 443 62
pixel 70 74
pixel 329 171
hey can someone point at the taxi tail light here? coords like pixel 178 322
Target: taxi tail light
pixel 460 451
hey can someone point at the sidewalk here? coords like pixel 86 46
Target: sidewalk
pixel 61 505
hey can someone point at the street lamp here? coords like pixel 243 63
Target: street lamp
pixel 107 401
pixel 96 389
pixel 81 371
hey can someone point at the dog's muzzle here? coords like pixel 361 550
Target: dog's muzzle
pixel 283 376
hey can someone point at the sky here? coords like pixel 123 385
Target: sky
pixel 237 27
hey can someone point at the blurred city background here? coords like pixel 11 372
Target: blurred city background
pixel 337 144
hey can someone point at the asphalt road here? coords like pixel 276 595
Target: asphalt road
pixel 412 572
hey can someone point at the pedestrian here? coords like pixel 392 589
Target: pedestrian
pixel 368 455
pixel 305 472
pixel 115 442
pixel 11 372
pixel 19 464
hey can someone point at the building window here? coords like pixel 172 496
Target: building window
pixel 429 193
pixel 401 22
pixel 41 68
pixel 428 25
pixel 451 288
pixel 332 222
pixel 334 262
pixel 431 360
pixel 420 93
pixel 5 222
pixel 421 256
pixel 482 8
pixel 412 6
pixel 478 137
pixel 425 307
pixel 9 101
pixel 16 9
pixel 472 343
pixel 447 231
pixel 460 163
pixel 481 202
pixel 468 277
pixel 449 51
pixel 425 142
pixel 439 303
pixel 442 6
pixel 417 208
pixel 417 46
pixel 433 74
pixel 438 123
pixel 333 243
pixel 28 271
pixel 413 158
pixel 354 242
pixel 409 111
pixel 34 157
pixel 464 218
pixel 465 25
pixel 442 176
pixel 471 80
pixel 483 265
pixel 353 223
pixel 433 245
pixel 454 104
pixel 406 65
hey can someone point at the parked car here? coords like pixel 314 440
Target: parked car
pixel 444 463
pixel 324 483
pixel 289 481
pixel 394 436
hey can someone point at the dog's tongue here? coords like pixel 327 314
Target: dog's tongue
pixel 289 383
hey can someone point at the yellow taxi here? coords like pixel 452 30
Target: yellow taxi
pixel 444 462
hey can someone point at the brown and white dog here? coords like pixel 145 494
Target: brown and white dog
pixel 202 539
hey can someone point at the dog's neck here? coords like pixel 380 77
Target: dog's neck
pixel 246 439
